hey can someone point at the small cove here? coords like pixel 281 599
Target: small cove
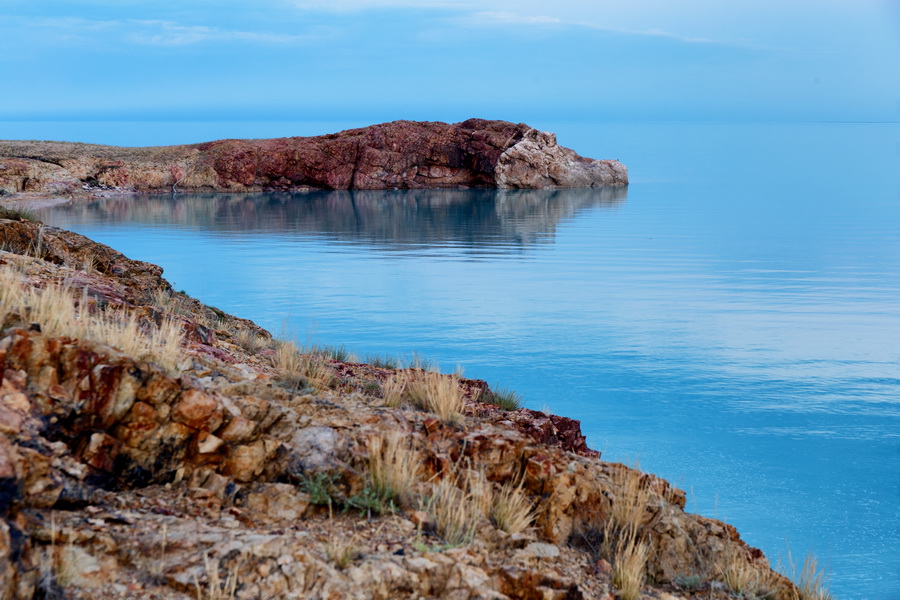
pixel 731 319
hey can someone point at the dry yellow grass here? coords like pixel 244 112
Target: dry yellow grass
pixel 297 366
pixel 811 581
pixel 55 308
pixel 165 343
pixel 455 512
pixel 740 575
pixel 629 564
pixel 393 390
pixel 623 537
pixel 250 340
pixel 89 264
pixel 631 498
pixel 287 357
pixel 511 510
pixel 118 329
pixel 341 551
pixel 480 490
pixel 436 393
pixel 394 466
pixel 216 588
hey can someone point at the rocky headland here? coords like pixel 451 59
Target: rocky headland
pixel 152 447
pixel 400 154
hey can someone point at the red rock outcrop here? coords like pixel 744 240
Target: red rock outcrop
pixel 401 154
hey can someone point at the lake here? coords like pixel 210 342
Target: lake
pixel 731 319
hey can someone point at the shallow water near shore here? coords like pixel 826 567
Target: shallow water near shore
pixel 731 319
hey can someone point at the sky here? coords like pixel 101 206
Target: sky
pixel 379 60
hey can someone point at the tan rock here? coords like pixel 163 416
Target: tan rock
pixel 538 550
pixel 238 430
pixel 198 410
pixel 246 461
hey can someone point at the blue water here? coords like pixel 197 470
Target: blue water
pixel 732 319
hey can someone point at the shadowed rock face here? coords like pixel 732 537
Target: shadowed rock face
pixel 401 154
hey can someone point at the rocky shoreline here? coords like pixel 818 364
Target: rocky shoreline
pixel 396 155
pixel 210 460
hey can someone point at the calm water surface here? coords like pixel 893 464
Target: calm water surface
pixel 732 319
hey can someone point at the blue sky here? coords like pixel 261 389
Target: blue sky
pixel 380 60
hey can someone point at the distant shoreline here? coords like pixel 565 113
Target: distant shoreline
pixel 397 155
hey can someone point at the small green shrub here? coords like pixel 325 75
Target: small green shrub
pixel 383 362
pixel 321 487
pixel 220 314
pixel 368 502
pixel 417 361
pixel 504 398
pixel 338 353
pixel 689 582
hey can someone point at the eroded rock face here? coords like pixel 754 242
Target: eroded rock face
pixel 536 161
pixel 401 154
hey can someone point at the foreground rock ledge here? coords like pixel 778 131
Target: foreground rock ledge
pixel 122 477
pixel 401 154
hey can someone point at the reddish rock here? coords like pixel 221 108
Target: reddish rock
pixel 101 451
pixel 553 430
pixel 401 154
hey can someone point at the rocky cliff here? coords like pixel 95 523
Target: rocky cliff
pixel 401 154
pixel 153 447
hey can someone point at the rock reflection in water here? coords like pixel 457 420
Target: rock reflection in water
pixel 392 217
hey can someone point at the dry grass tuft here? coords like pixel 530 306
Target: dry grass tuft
pixel 341 551
pixel 393 390
pixel 623 537
pixel 297 366
pixel 811 581
pixel 437 393
pixel 165 344
pixel 89 264
pixel 216 588
pixel 511 510
pixel 740 575
pixel 481 491
pixel 121 330
pixel 632 497
pixel 394 466
pixel 456 513
pixel 629 565
pixel 250 340
pixel 57 311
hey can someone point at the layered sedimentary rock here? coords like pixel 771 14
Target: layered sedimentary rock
pixel 122 478
pixel 401 154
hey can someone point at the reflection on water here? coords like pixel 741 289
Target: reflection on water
pixel 394 218
pixel 735 330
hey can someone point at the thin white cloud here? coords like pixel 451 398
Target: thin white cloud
pixel 361 5
pixel 149 32
pixel 510 18
pixel 169 33
pixel 505 18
